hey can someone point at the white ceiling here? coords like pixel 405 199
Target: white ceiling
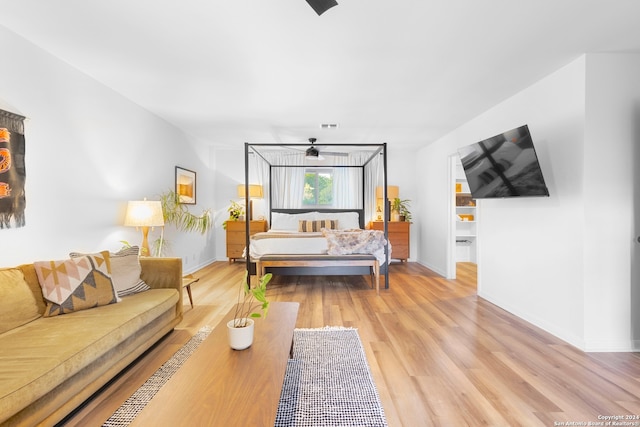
pixel 403 72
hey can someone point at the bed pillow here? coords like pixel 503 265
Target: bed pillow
pixel 125 271
pixel 76 283
pixel 288 222
pixel 346 220
pixel 307 226
pixel 17 303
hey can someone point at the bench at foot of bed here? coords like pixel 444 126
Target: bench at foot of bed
pixel 322 261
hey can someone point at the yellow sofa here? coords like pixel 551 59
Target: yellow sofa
pixel 51 365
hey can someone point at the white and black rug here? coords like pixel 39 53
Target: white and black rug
pixel 328 382
pixel 125 414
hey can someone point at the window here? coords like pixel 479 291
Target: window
pixel 318 187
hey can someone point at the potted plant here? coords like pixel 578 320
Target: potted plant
pixel 249 299
pixel 405 214
pixel 400 210
pixel 178 214
pixel 236 213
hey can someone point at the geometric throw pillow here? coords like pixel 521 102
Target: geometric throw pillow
pixel 76 283
pixel 307 226
pixel 125 271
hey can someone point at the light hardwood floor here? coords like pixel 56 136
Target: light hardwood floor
pixel 439 354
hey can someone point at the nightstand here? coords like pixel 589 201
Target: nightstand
pixel 399 232
pixel 236 240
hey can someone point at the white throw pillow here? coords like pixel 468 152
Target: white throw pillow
pixel 125 271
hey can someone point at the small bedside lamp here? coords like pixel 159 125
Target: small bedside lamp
pixel 144 214
pixel 393 191
pixel 255 192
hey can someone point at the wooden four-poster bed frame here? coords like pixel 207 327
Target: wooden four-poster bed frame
pixel 322 264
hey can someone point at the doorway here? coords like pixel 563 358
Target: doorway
pixel 635 245
pixel 462 251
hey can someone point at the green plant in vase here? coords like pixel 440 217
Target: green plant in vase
pixel 236 211
pixel 250 299
pixel 401 209
pixel 241 327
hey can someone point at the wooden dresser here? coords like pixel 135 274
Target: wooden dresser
pixel 236 240
pixel 399 232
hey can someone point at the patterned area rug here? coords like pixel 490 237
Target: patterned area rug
pixel 125 414
pixel 328 382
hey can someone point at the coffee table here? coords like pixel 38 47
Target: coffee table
pixel 218 386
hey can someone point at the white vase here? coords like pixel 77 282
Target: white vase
pixel 240 338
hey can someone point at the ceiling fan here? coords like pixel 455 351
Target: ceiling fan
pixel 312 153
pixel 321 6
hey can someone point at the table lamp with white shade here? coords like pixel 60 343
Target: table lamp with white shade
pixel 255 192
pixel 144 214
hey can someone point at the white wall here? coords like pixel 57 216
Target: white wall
pixel 612 120
pixel 229 172
pixel 88 151
pixel 402 171
pixel 543 258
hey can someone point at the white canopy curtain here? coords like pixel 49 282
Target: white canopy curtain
pixel 287 179
pixel 356 170
pixel 357 181
pixel 348 190
pixel 262 175
pixel 374 176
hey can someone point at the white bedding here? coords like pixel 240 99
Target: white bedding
pixel 334 242
pixel 284 238
pixel 310 243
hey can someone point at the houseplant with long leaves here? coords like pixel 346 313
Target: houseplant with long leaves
pixel 178 214
pixel 252 303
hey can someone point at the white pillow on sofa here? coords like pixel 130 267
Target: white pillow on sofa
pixel 125 271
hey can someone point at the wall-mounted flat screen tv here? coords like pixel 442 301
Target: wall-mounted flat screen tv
pixel 505 165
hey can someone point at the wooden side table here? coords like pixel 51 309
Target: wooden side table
pixel 236 240
pixel 187 281
pixel 399 232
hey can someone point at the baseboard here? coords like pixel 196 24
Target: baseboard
pixel 193 269
pixel 432 268
pixel 611 347
pixel 569 338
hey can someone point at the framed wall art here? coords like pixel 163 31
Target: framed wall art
pixel 186 186
pixel 12 170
